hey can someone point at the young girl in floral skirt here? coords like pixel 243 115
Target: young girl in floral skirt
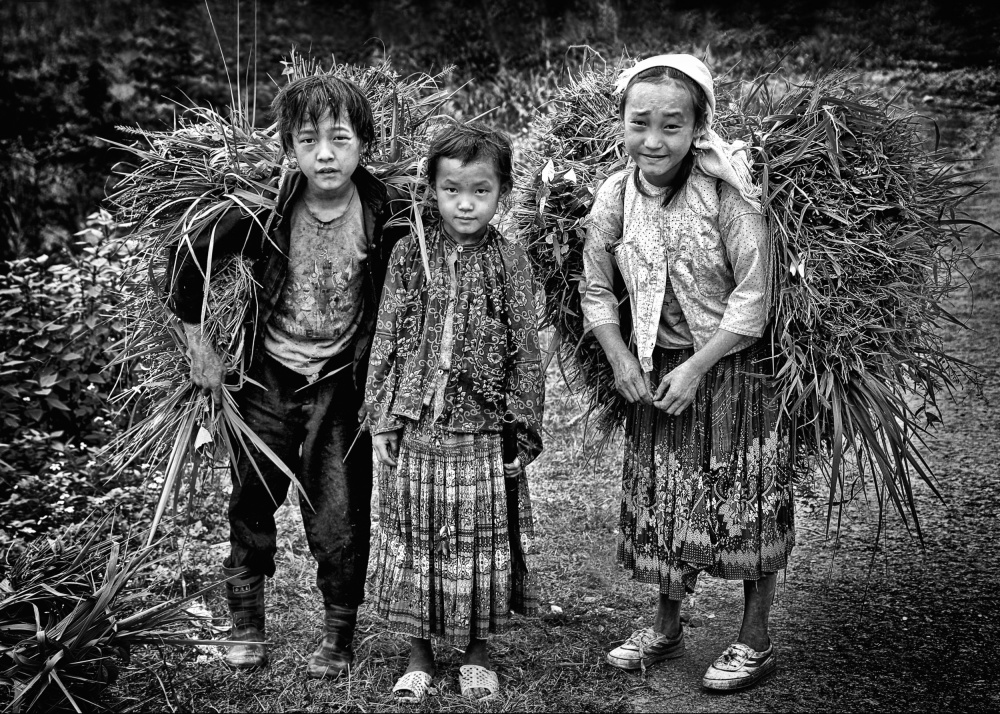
pixel 455 395
pixel 706 486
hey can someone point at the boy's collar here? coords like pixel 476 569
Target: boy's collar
pixel 371 188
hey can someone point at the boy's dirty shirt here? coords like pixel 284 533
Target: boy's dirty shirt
pixel 319 309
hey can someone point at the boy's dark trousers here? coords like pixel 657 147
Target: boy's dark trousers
pixel 311 427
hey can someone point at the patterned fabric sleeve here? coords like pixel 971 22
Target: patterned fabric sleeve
pixel 383 366
pixel 524 388
pixel 604 228
pixel 748 242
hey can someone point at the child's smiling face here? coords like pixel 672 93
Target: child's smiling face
pixel 467 196
pixel 659 128
pixel 327 153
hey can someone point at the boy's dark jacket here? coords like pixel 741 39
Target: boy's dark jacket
pixel 239 232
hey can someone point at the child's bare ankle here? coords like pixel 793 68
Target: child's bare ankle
pixel 477 653
pixel 421 656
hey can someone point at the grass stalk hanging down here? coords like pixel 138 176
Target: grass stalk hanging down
pixel 180 183
pixel 868 235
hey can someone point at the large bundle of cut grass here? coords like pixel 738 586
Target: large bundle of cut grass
pixel 182 182
pixel 71 609
pixel 867 236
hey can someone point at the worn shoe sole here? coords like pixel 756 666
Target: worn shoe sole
pixel 249 650
pixel 768 668
pixel 245 664
pixel 673 652
pixel 327 670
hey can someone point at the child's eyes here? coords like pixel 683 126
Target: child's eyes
pixel 668 127
pixel 313 139
pixel 481 192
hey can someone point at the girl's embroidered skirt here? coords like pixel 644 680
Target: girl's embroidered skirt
pixel 709 490
pixel 449 559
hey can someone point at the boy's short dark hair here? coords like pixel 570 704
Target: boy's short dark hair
pixel 307 99
pixel 472 142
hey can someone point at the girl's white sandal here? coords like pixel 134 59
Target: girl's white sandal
pixel 417 683
pixel 472 677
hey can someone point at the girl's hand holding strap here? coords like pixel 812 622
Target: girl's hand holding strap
pixel 513 470
pixel 386 446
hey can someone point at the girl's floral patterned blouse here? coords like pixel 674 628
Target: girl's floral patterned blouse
pixel 461 348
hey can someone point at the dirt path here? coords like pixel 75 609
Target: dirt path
pixel 923 634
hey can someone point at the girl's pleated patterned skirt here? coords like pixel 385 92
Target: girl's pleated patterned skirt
pixel 709 490
pixel 448 559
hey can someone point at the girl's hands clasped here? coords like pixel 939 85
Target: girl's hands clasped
pixel 386 446
pixel 630 381
pixel 677 389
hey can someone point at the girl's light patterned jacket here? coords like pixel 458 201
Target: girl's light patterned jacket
pixel 712 246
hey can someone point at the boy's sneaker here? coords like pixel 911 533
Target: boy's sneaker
pixel 739 667
pixel 646 647
pixel 335 653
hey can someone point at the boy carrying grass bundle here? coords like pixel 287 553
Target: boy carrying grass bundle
pixel 319 269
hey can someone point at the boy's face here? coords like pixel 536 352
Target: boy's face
pixel 467 196
pixel 327 153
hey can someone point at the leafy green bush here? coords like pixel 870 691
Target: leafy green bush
pixel 47 482
pixel 54 414
pixel 54 339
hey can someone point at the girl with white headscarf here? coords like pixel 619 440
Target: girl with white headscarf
pixel 706 487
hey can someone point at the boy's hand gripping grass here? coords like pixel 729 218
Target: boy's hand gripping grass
pixel 207 368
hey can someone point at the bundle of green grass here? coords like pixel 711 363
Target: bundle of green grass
pixel 72 607
pixel 867 239
pixel 180 183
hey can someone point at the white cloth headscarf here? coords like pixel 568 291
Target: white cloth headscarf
pixel 643 256
pixel 716 157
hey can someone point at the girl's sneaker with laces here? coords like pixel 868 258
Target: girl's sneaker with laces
pixel 739 667
pixel 646 647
